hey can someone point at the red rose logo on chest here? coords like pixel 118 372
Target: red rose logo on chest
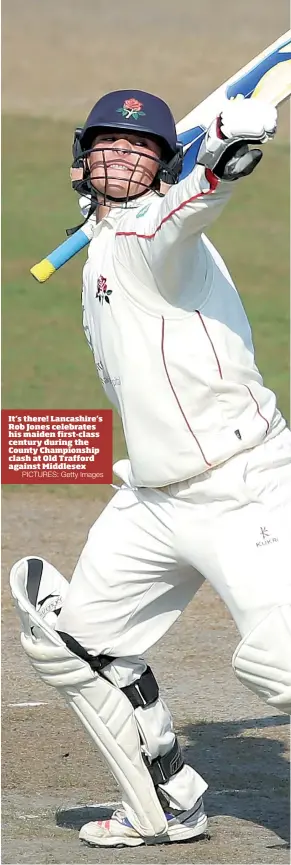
pixel 103 293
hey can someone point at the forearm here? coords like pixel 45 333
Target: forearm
pixel 224 156
pixel 187 209
pixel 195 202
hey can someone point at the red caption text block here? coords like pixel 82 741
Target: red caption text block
pixel 54 446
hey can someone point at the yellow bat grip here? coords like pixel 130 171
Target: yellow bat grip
pixel 43 270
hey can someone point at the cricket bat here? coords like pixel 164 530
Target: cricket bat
pixel 268 77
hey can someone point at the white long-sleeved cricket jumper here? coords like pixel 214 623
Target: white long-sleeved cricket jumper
pixel 170 338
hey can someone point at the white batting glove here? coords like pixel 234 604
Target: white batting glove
pixel 224 150
pixel 251 120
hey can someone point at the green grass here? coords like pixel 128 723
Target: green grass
pixel 46 361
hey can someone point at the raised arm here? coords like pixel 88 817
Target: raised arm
pixel 224 156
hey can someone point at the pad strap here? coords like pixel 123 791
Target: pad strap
pixel 144 692
pixel 97 662
pixel 163 768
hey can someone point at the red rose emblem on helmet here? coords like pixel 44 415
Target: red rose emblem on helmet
pixel 131 108
pixel 132 105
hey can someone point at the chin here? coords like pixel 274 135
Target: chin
pixel 120 190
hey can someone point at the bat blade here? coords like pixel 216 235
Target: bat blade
pixel 275 86
pixel 245 83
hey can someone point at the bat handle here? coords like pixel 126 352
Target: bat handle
pixel 45 268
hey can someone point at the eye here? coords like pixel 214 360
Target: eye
pixel 104 139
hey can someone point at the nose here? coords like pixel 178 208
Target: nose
pixel 122 144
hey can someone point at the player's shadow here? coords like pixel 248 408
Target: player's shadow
pixel 247 772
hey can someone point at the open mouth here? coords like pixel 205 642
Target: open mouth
pixel 121 165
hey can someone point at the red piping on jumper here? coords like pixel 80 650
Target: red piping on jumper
pixel 258 409
pixel 221 376
pixel 211 343
pixel 213 184
pixel 175 395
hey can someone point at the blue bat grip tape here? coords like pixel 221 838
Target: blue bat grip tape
pixel 67 249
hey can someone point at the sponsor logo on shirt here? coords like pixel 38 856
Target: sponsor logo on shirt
pixel 143 211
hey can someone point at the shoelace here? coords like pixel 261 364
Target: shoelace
pixel 119 815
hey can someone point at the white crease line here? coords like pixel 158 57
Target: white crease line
pixel 222 792
pixel 101 805
pixel 28 816
pixel 92 805
pixel 74 808
pixel 22 705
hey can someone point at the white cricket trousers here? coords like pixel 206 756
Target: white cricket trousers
pixel 150 550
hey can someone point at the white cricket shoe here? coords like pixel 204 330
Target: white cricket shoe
pixel 118 831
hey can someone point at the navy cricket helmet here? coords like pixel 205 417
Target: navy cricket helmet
pixel 135 111
pixel 132 111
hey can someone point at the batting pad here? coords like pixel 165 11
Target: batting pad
pixel 262 660
pixel 103 709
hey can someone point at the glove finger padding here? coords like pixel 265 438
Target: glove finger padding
pixel 252 120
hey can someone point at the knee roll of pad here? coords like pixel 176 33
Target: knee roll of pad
pixel 262 660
